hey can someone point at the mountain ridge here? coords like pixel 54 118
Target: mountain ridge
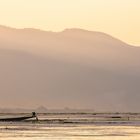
pixel 67 30
pixel 67 69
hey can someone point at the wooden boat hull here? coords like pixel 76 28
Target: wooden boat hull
pixel 20 118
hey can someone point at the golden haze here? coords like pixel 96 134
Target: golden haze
pixel 120 18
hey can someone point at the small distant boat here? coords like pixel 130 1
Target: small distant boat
pixel 34 115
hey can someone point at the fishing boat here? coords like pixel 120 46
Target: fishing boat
pixel 33 115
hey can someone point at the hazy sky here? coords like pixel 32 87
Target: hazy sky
pixel 120 18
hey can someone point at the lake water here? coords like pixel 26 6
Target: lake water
pixel 72 127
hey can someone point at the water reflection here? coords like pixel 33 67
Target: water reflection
pixel 71 132
pixel 74 127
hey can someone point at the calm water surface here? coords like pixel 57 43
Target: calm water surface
pixel 69 131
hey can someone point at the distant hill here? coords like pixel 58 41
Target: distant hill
pixel 74 68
